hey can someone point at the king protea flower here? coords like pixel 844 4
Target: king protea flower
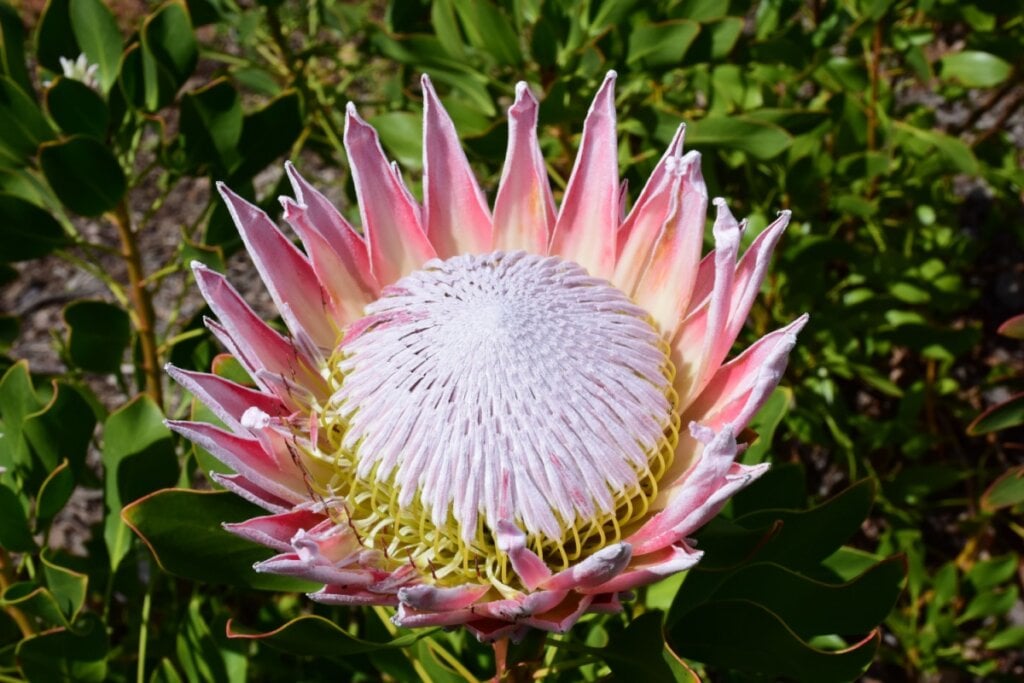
pixel 475 415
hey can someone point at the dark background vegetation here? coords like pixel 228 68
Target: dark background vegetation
pixel 892 129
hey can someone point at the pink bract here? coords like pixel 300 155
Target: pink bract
pixel 475 414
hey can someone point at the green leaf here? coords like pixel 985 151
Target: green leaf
pixel 975 69
pixel 27 231
pixel 269 133
pixel 638 651
pixel 489 30
pixel 67 587
pixel 808 536
pixel 401 133
pixel 703 10
pixel 61 429
pixel 77 108
pixel 1013 637
pixel 1006 491
pixel 765 423
pixel 990 604
pixel 14 532
pixel 812 608
pixel 98 334
pixel 183 530
pixel 953 151
pixel 96 32
pixel 138 457
pixel 54 36
pixel 211 123
pixel 18 400
pixel 36 601
pixel 167 35
pixel 1008 414
pixel 313 636
pixel 988 574
pixel 84 174
pixel 12 47
pixel 198 653
pixel 442 17
pixel 737 634
pixel 22 125
pixel 63 655
pixel 54 494
pixel 663 43
pixel 165 673
pixel 759 138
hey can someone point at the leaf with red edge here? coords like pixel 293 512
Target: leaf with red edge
pixel 183 530
pixel 313 636
pixel 1009 413
pixel 1013 328
pixel 738 634
pixel 1006 491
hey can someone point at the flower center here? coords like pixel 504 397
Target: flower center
pixel 506 386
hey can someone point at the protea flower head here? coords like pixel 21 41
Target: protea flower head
pixel 501 418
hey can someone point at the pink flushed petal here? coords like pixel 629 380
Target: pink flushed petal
pixel 278 477
pixel 665 287
pixel 595 570
pixel 257 345
pixel 391 221
pixel 287 274
pixel 649 568
pixel 747 282
pixel 639 232
pixel 699 335
pixel 246 489
pixel 703 283
pixel 564 616
pixel 349 294
pixel 325 218
pixel 290 564
pixel 530 568
pixel 691 491
pixel 276 531
pixel 409 617
pixel 426 598
pixel 227 400
pixel 455 213
pixel 606 603
pixel 489 630
pixel 739 388
pixel 524 210
pixel 339 595
pixel 588 220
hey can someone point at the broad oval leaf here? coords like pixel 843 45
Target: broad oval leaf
pixel 758 138
pixel 314 636
pixel 1008 414
pixel 183 530
pixel 1013 328
pixel 975 69
pixel 22 125
pixel 98 334
pixel 1006 491
pixel 77 108
pixel 84 174
pixel 138 458
pixel 736 634
pixel 54 36
pixel 96 32
pixel 27 231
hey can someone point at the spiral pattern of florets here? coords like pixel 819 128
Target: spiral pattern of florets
pixel 502 386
